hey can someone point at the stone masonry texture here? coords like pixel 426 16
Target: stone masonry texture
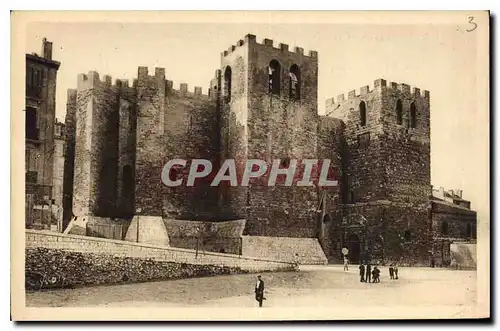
pixel 84 269
pixel 378 140
pixel 90 261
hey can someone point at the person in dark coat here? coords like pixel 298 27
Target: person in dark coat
pixel 376 275
pixel 368 273
pixel 259 290
pixel 391 271
pixel 362 272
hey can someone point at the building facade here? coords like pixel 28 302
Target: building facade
pixel 261 104
pixel 41 76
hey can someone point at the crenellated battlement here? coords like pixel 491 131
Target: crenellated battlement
pixel 252 39
pixel 183 91
pixel 143 77
pixel 377 86
pixel 91 80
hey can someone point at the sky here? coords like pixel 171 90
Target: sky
pixel 441 58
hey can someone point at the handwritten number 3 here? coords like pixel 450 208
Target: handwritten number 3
pixel 471 21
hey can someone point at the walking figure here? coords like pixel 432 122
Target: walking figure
pixel 376 275
pixel 346 263
pixel 362 272
pixel 391 271
pixel 368 273
pixel 259 291
pixel 395 271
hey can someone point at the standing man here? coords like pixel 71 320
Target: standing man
pixel 368 272
pixel 362 272
pixel 259 290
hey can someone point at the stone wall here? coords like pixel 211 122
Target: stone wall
pixel 217 236
pixel 190 133
pixel 387 232
pixel 95 147
pixel 150 149
pixel 72 269
pixel 127 108
pixel 233 126
pixel 82 244
pixel 331 145
pixel 461 223
pixel 69 159
pixel 302 250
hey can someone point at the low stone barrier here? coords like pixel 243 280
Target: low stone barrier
pixel 106 261
pixel 56 268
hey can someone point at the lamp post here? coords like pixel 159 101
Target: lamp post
pixel 138 211
pixel 197 241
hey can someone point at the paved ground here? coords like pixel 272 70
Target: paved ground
pixel 418 289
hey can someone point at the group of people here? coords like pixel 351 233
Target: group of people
pixel 393 271
pixel 367 275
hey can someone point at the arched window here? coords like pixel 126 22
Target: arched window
pixel 227 83
pixel 444 228
pixel 327 219
pixel 399 112
pixel 407 235
pixel 413 116
pixel 362 113
pixel 274 77
pixel 294 82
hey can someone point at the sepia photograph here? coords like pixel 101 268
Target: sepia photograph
pixel 273 165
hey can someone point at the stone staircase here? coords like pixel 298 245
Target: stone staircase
pixel 464 255
pixel 284 249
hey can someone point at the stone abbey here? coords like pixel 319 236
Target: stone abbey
pixel 261 104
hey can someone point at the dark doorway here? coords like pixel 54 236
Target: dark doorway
pixel 353 244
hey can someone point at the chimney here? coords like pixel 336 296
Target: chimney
pixel 458 193
pixel 46 49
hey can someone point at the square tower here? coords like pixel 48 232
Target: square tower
pixel 268 110
pixel 388 142
pixel 386 172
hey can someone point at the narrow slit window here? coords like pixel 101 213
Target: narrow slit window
pixel 362 113
pixel 413 116
pixel 227 83
pixel 399 112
